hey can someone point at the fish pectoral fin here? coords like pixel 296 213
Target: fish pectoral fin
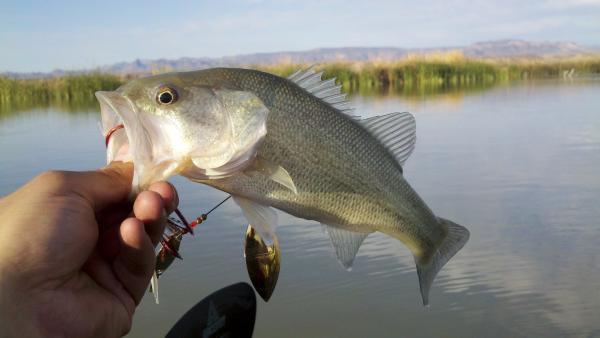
pixel 281 176
pixel 274 171
pixel 263 218
pixel 345 243
pixel 396 131
pixel 456 239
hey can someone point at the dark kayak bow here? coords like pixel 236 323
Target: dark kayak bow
pixel 228 312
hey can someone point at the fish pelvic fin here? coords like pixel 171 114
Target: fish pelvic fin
pixel 457 237
pixel 262 217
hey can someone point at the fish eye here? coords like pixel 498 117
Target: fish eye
pixel 166 95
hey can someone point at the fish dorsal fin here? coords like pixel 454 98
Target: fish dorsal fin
pixel 325 90
pixel 345 243
pixel 396 131
pixel 262 217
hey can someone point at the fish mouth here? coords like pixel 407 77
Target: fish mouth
pixel 128 140
pixel 116 112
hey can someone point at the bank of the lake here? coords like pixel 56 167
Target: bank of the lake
pixel 417 74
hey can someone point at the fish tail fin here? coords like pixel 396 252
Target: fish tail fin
pixel 454 241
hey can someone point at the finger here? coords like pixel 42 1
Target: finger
pixel 168 193
pixel 103 187
pixel 150 209
pixel 135 262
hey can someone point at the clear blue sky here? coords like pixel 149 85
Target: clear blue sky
pixel 44 35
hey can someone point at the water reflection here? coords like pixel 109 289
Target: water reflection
pixel 8 109
pixel 517 165
pixel 88 103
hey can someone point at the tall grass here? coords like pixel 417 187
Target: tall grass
pixel 76 88
pixel 444 71
pixel 415 74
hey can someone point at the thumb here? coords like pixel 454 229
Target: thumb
pixel 106 186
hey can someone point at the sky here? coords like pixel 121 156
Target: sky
pixel 48 35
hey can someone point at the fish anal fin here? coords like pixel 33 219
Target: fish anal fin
pixel 345 243
pixel 457 237
pixel 263 218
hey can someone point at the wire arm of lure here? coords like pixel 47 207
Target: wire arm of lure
pixel 184 221
pixel 178 227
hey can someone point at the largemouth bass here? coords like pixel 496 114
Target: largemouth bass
pixel 285 143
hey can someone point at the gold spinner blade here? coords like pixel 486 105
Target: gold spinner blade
pixel 262 263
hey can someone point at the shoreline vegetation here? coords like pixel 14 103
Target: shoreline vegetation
pixel 412 75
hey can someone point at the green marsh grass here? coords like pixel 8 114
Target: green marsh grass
pixel 413 75
pixel 440 72
pixel 72 88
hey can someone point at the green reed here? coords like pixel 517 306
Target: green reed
pixel 71 89
pixel 443 72
pixel 414 75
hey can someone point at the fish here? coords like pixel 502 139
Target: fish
pixel 292 144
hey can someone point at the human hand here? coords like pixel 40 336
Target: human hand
pixel 75 255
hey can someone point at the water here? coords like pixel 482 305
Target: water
pixel 518 165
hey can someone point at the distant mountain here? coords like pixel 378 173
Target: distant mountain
pixel 309 56
pixel 520 48
pixel 488 49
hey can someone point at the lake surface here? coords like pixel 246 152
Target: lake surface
pixel 518 165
